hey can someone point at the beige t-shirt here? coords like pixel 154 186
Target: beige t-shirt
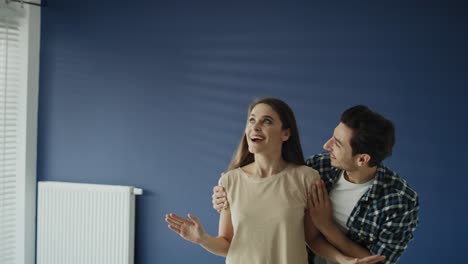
pixel 268 215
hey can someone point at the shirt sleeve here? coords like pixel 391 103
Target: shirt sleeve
pixel 311 177
pixel 397 231
pixel 223 181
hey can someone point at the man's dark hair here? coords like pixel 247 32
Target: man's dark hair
pixel 373 134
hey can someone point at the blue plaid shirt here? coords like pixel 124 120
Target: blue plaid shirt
pixel 385 217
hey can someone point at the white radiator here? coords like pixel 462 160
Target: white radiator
pixel 85 223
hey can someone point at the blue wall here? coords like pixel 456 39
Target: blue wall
pixel 154 94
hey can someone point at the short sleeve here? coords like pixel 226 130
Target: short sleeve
pixel 310 176
pixel 223 181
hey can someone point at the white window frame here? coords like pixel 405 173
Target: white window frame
pixel 29 21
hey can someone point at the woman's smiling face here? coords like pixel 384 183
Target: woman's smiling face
pixel 264 130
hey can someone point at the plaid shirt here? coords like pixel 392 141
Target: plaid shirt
pixel 385 217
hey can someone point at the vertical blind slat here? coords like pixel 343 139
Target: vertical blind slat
pixel 10 65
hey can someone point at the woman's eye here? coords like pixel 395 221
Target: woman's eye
pixel 267 121
pixel 251 120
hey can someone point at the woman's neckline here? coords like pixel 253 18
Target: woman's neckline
pixel 268 178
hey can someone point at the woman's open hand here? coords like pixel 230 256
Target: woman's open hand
pixel 189 229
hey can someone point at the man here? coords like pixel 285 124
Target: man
pixel 361 207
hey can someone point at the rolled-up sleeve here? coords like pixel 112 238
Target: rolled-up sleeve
pixel 396 232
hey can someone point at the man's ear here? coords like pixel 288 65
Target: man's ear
pixel 286 134
pixel 363 160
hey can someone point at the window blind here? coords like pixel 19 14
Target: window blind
pixel 10 59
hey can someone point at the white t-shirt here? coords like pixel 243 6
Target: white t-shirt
pixel 344 196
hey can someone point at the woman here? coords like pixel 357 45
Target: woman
pixel 266 184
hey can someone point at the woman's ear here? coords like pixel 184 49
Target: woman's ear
pixel 286 134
